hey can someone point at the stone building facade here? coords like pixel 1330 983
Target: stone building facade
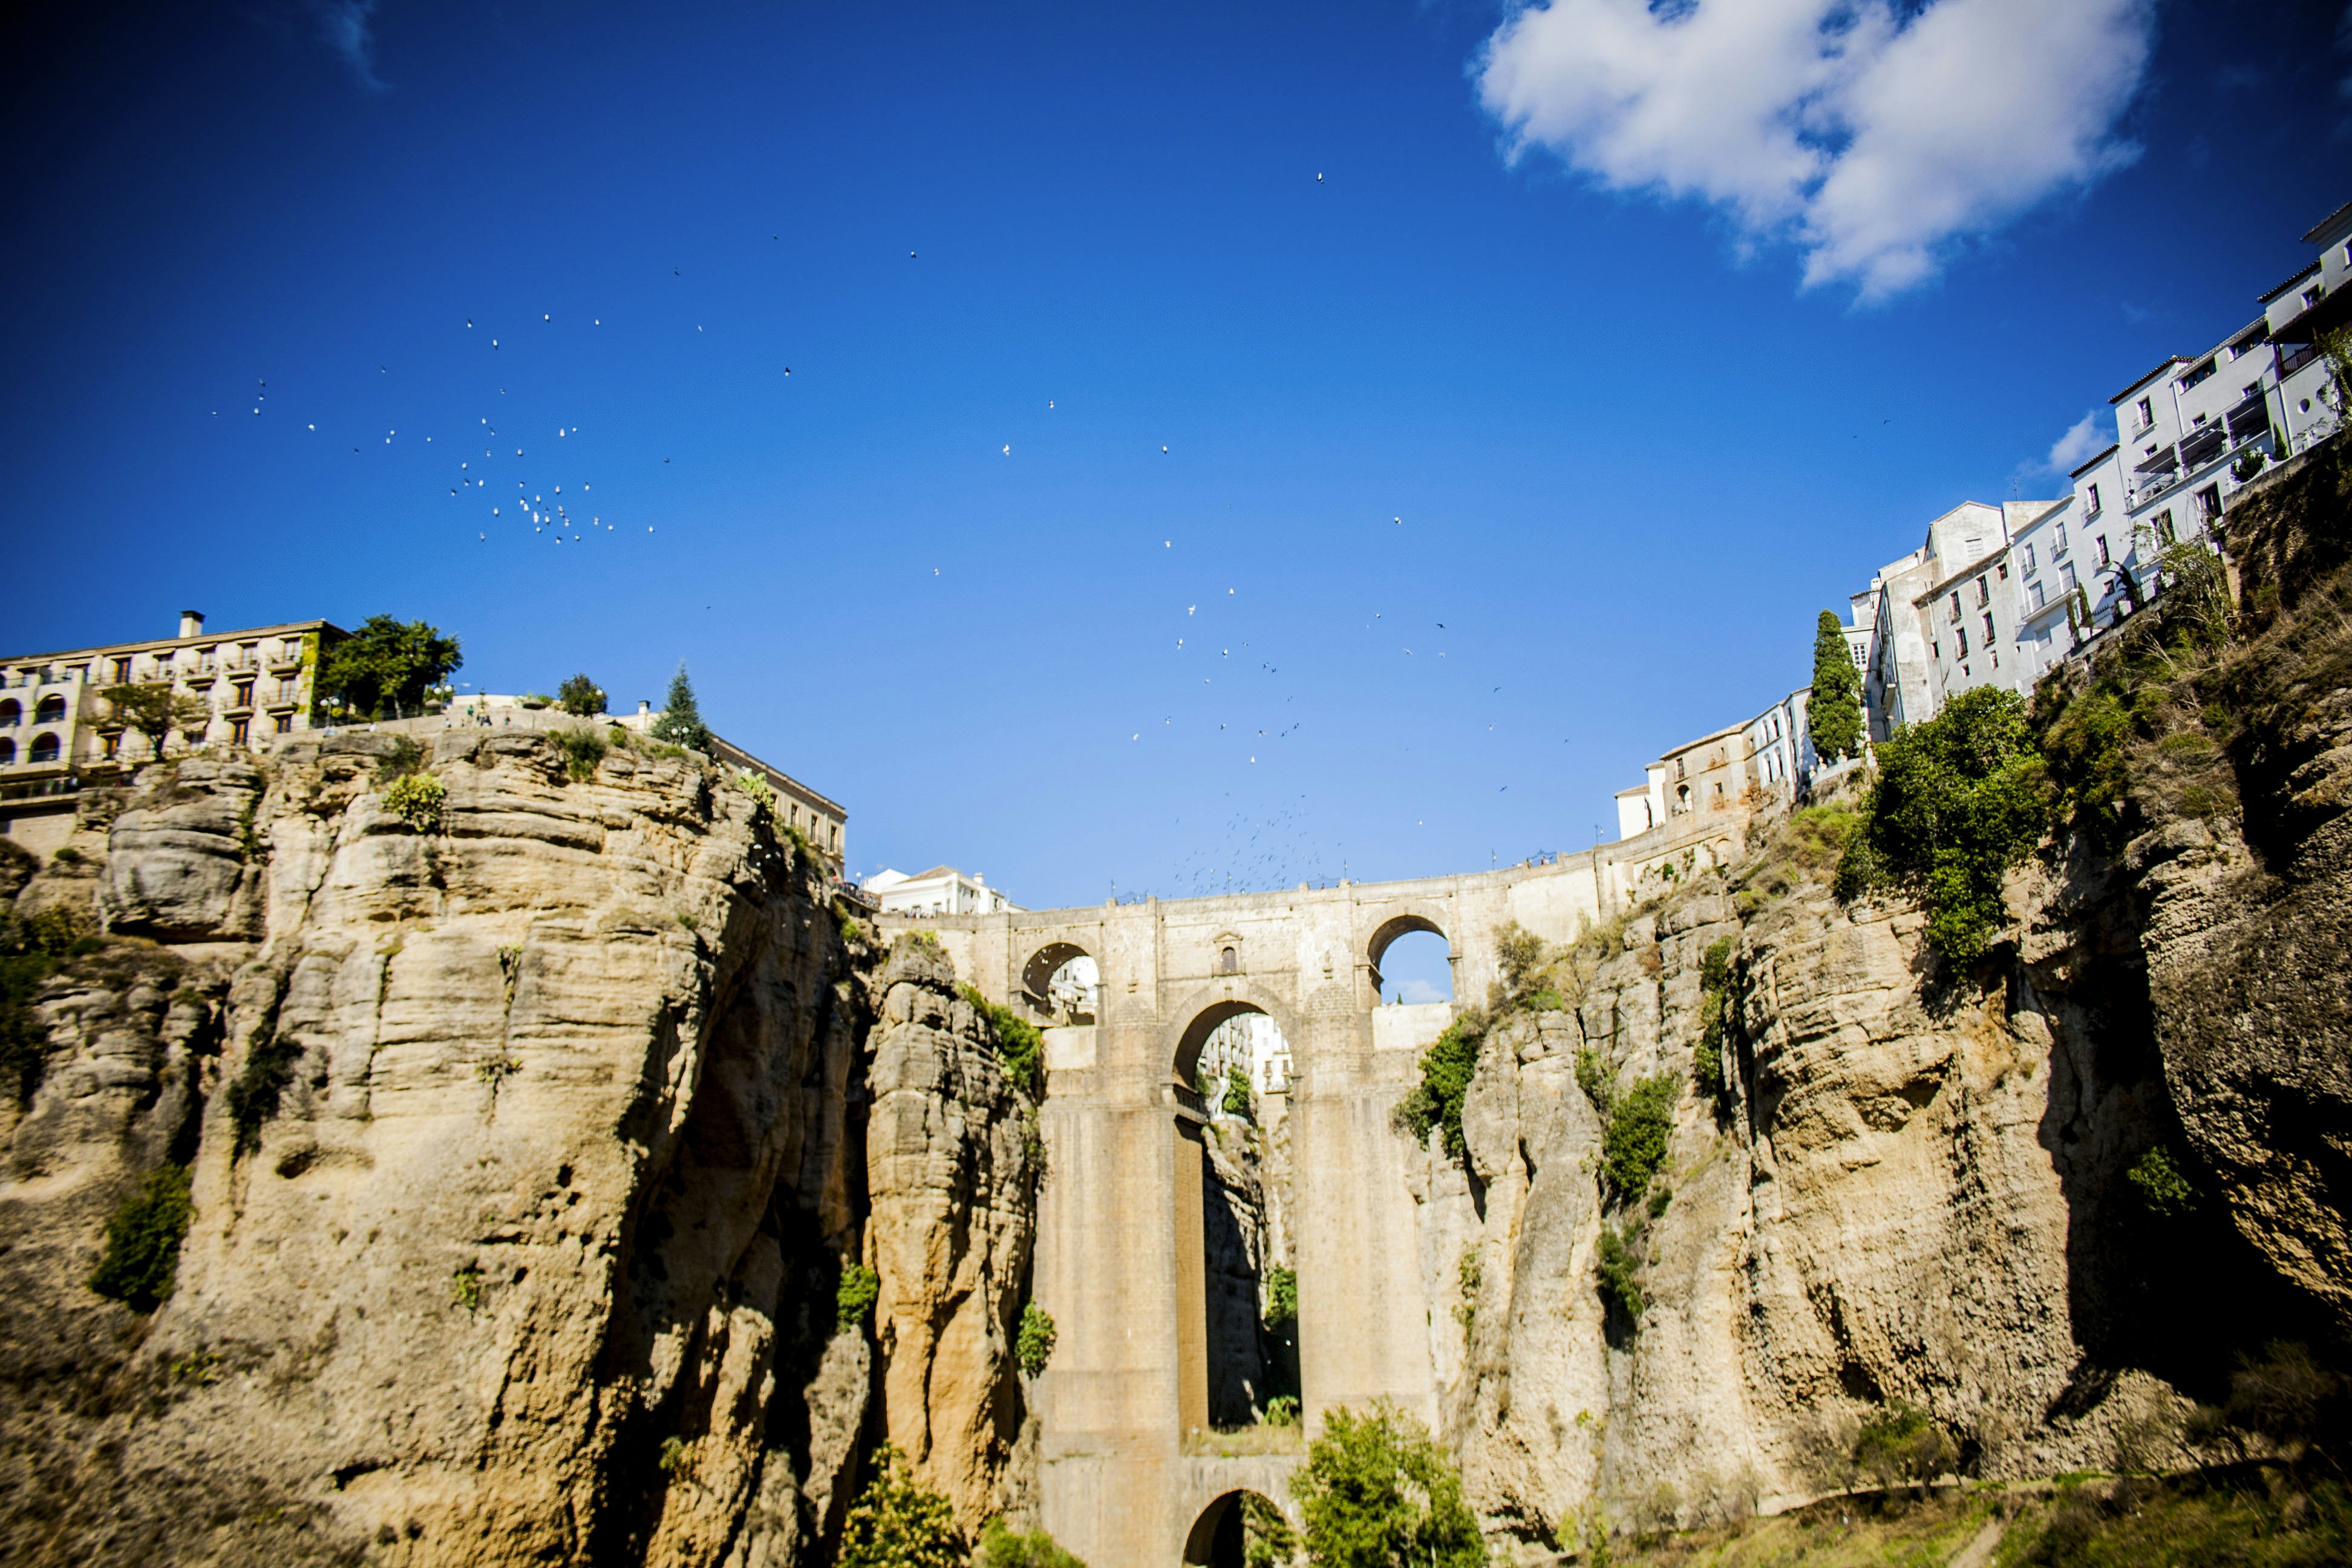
pixel 57 731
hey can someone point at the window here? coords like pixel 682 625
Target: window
pixel 1956 606
pixel 2033 594
pixel 2066 579
pixel 2147 414
pixel 2311 296
pixel 51 709
pixel 1984 592
pixel 285 723
pixel 2209 506
pixel 7 753
pixel 243 698
pixel 2001 571
pixel 1229 961
pixel 240 732
pixel 10 714
pixel 2196 376
pixel 122 672
pixel 2091 493
pixel 2058 543
pixel 1991 635
pixel 1961 642
pixel 2029 566
pixel 108 745
pixel 45 748
pixel 2104 559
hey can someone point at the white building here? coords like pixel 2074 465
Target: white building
pixel 1770 756
pixel 942 890
pixel 1922 621
pixel 1254 1041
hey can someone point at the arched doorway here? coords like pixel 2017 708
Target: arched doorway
pixel 1412 961
pixel 1236 1280
pixel 1062 984
pixel 1239 1528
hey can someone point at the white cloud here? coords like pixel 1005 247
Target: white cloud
pixel 1420 991
pixel 2084 439
pixel 348 26
pixel 1875 142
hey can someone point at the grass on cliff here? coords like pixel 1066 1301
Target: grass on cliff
pixel 1019 1044
pixel 142 1263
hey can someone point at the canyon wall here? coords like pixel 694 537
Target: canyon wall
pixel 528 1133
pixel 1916 1186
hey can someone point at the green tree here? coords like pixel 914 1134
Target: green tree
pixel 681 723
pixel 1634 1144
pixel 1958 801
pixel 579 697
pixel 154 710
pixel 1378 1493
pixel 898 1522
pixel 1834 713
pixel 385 668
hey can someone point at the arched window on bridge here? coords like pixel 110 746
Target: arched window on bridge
pixel 1229 961
pixel 1412 961
pixel 1062 984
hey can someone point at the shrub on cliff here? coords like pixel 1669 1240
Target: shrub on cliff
pixel 1019 1047
pixel 898 1522
pixel 418 800
pixel 1376 1491
pixel 1958 801
pixel 1901 1445
pixel 1445 1072
pixel 142 1241
pixel 1033 1346
pixel 1634 1144
pixel 855 1297
pixel 1001 1546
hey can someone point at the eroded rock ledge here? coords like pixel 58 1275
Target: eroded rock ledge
pixel 527 1152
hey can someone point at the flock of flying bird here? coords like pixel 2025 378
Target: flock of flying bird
pixel 1250 854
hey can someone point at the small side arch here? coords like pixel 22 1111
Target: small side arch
pixel 1393 928
pixel 1219 1537
pixel 1037 979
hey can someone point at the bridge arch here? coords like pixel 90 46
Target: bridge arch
pixel 1219 1536
pixel 1184 1053
pixel 1037 980
pixel 1385 934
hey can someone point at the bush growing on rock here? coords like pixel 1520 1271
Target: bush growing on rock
pixel 1959 800
pixel 1001 1546
pixel 1901 1445
pixel 252 1098
pixel 1033 1346
pixel 1020 1047
pixel 418 800
pixel 855 1297
pixel 1634 1145
pixel 898 1522
pixel 1376 1491
pixel 582 749
pixel 1445 1072
pixel 1617 1262
pixel 142 1241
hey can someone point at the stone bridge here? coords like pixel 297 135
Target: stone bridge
pixel 1129 1477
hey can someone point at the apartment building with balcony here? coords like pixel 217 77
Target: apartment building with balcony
pixel 57 731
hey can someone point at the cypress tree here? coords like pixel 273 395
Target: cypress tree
pixel 1834 714
pixel 681 722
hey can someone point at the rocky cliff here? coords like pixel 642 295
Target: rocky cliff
pixel 2044 1201
pixel 531 1111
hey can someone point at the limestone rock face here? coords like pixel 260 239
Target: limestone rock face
pixel 526 1154
pixel 951 1165
pixel 1885 1207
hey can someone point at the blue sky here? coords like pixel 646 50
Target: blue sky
pixel 1652 363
